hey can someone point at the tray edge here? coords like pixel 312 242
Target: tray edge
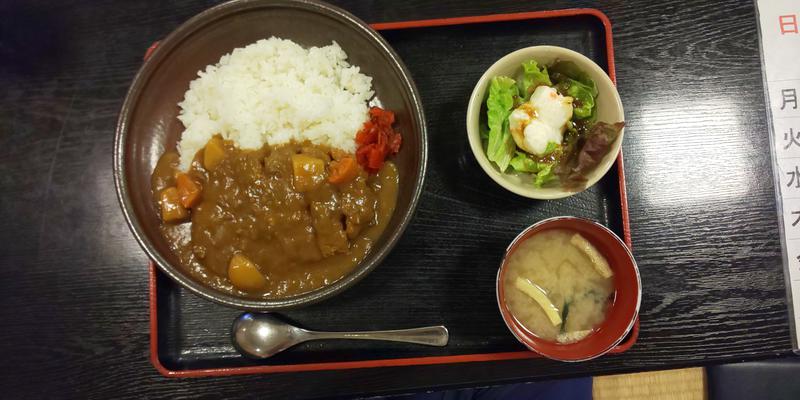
pixel 425 360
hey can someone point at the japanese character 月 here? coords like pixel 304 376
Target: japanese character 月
pixel 789 96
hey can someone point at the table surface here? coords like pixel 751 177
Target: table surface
pixel 74 281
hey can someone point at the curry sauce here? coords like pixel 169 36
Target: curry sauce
pixel 275 222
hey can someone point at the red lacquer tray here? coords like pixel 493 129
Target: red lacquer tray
pixel 419 283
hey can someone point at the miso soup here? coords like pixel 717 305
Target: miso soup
pixel 558 286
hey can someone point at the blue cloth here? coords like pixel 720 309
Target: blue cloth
pixel 565 389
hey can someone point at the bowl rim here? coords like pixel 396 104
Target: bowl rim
pixel 508 317
pixel 476 144
pixel 144 73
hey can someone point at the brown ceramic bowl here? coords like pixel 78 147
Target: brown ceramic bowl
pixel 621 314
pixel 148 125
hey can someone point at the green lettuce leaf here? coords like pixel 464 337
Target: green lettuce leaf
pixel 545 175
pixel 572 81
pixel 483 130
pixel 500 149
pixel 568 69
pixel 522 163
pixel 532 77
pixel 551 147
pixel 582 99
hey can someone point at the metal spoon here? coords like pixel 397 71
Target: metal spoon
pixel 263 335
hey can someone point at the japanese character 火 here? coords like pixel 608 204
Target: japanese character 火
pixel 791 138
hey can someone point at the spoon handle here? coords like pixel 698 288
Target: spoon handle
pixel 429 335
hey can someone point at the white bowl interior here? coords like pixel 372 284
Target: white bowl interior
pixel 609 109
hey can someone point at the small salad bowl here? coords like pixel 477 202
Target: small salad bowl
pixel 608 110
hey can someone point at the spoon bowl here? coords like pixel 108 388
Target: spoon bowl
pixel 263 335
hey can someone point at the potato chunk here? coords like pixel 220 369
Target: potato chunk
pixel 244 274
pixel 171 208
pixel 308 172
pixel 213 153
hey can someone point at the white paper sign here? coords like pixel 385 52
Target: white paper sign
pixel 779 28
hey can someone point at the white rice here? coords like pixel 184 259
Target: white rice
pixel 274 91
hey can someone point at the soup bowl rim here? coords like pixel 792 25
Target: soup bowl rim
pixel 527 338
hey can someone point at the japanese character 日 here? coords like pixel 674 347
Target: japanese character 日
pixel 788 24
pixel 789 96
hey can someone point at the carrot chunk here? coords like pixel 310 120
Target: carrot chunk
pixel 188 190
pixel 343 171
